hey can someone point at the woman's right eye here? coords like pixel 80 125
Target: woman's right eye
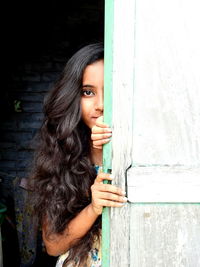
pixel 87 92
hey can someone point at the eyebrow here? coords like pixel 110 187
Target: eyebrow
pixel 88 86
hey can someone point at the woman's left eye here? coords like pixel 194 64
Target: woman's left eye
pixel 87 92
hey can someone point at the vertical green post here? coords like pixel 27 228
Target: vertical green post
pixel 107 149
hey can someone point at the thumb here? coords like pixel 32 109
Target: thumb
pixel 100 119
pixel 100 123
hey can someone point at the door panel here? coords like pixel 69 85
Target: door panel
pixel 164 235
pixel 156 133
pixel 166 111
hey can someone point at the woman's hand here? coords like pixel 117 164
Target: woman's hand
pixel 106 195
pixel 101 133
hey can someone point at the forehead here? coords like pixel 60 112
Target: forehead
pixel 94 71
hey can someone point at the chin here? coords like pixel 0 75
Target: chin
pixel 92 122
pixel 90 125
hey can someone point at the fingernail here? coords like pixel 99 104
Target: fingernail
pixel 108 129
pixel 111 176
pixel 123 192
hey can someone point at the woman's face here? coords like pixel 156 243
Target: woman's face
pixel 92 93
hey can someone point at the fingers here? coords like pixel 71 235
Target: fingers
pixel 98 144
pixel 100 127
pixel 100 130
pixel 107 188
pixel 100 139
pixel 103 176
pixel 114 197
pixel 101 133
pixel 114 204
pixel 98 147
pixel 108 203
pixel 101 136
pixel 100 123
pixel 99 186
pixel 106 195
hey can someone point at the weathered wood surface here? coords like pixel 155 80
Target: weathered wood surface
pixel 167 83
pixel 156 52
pixel 123 80
pixel 165 235
pixel 167 184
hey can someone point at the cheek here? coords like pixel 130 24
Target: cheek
pixel 85 107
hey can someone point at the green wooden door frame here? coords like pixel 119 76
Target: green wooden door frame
pixel 107 149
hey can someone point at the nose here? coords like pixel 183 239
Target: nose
pixel 99 102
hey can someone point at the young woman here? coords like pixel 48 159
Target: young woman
pixel 68 190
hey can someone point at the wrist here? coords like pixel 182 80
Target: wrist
pixel 94 211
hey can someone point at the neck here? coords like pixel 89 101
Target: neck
pixel 96 155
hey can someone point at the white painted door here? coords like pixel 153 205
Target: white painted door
pixel 156 132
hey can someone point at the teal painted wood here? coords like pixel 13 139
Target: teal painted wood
pixel 107 155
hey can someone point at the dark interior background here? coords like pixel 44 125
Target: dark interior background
pixel 37 39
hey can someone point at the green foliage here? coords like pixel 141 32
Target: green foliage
pixel 17 106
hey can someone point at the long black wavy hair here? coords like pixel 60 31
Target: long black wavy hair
pixel 63 173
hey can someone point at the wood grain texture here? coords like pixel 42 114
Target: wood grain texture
pixel 156 123
pixel 165 235
pixel 167 83
pixel 164 184
pixel 123 80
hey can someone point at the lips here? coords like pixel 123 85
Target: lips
pixel 95 117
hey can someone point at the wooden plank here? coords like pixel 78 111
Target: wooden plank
pixel 165 235
pixel 123 80
pixel 166 134
pixel 156 51
pixel 167 82
pixel 164 184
